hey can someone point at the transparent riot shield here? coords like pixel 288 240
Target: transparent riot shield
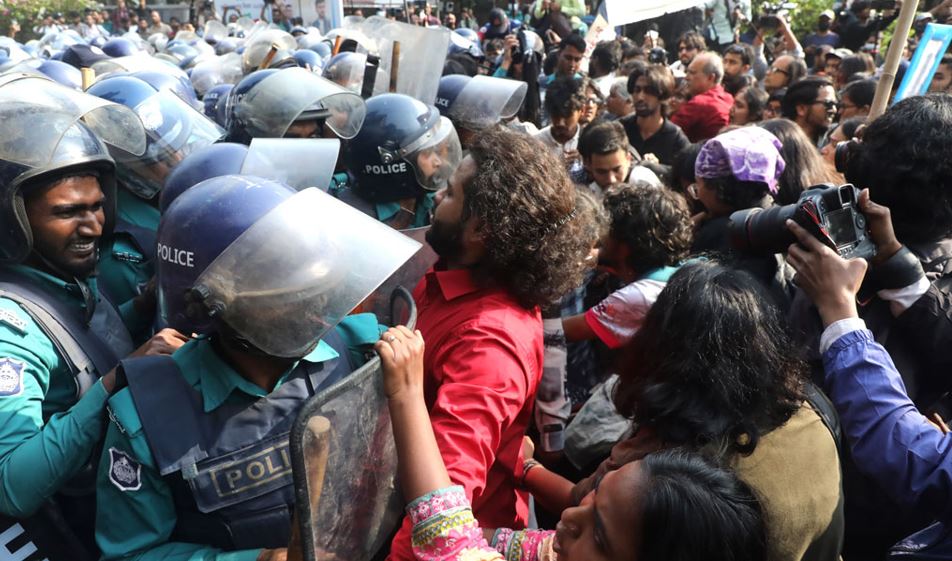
pixel 136 63
pixel 297 162
pixel 345 464
pixel 485 101
pixel 214 71
pixel 422 54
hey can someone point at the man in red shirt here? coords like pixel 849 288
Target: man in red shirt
pixel 709 108
pixel 508 241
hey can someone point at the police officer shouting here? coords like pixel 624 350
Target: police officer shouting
pixel 57 334
pixel 196 458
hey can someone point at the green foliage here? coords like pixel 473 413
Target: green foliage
pixel 803 18
pixel 29 13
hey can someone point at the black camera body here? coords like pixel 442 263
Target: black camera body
pixel 831 214
pixel 769 15
pixel 657 55
pixel 518 53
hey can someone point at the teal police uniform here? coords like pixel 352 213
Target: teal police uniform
pixel 140 512
pixel 47 431
pixel 384 212
pixel 126 261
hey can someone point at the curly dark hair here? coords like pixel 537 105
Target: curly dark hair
pixel 904 161
pixel 654 223
pixel 525 204
pixel 565 96
pixel 712 368
pixel 738 194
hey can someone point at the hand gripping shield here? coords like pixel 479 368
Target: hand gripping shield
pixel 345 463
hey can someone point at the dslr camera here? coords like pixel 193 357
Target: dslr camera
pixel 829 213
pixel 770 13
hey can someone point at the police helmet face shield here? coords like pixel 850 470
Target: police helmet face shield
pixel 269 108
pixel 299 270
pixel 485 101
pixel 114 124
pixel 346 70
pixel 434 155
pixel 57 141
pixel 174 131
pixel 258 47
pixel 296 162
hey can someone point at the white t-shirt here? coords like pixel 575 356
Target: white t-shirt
pixel 618 317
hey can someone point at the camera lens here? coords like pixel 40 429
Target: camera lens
pixel 758 231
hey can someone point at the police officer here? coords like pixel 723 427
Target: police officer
pixel 196 459
pixel 478 103
pixel 402 155
pixel 174 129
pixel 291 103
pixel 59 338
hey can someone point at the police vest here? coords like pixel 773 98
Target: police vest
pixel 91 348
pixel 63 528
pixel 229 469
pixel 144 239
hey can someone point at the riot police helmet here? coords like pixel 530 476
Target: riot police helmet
pixel 269 268
pixel 119 46
pixel 404 150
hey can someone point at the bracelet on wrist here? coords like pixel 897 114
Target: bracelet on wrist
pixel 526 467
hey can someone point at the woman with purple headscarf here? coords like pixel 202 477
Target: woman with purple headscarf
pixel 736 170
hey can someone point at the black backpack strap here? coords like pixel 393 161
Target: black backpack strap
pixel 87 356
pixel 158 388
pixel 827 412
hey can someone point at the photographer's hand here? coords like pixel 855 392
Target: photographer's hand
pixel 829 280
pixel 880 228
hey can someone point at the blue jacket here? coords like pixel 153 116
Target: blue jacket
pixel 890 440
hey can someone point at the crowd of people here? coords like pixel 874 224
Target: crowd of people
pixel 679 294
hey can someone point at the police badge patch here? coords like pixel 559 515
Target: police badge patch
pixel 124 472
pixel 11 376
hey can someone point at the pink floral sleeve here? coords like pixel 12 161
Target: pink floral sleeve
pixel 444 529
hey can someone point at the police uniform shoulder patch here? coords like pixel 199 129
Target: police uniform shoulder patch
pixel 11 376
pixel 10 318
pixel 124 472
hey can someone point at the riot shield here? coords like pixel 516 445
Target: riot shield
pixel 345 462
pixel 211 72
pixel 407 276
pixel 485 101
pixel 422 54
pixel 297 162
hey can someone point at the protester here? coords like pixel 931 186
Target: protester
pixel 737 61
pixel 568 58
pixel 659 484
pixel 650 133
pixel 608 158
pixel 508 243
pixel 565 102
pixel 844 131
pixel 619 103
pixel 749 106
pixel 858 24
pixel 856 99
pixel 942 79
pixel 805 167
pixel 702 116
pixel 785 71
pixel 823 36
pixel 648 237
pixel 811 104
pixel 689 46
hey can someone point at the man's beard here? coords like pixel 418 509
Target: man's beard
pixel 446 239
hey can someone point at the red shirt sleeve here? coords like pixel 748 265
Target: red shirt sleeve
pixel 483 384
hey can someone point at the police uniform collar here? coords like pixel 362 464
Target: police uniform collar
pixel 218 379
pixel 454 283
pixel 70 288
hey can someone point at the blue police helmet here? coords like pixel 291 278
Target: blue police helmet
pixel 210 101
pixel 98 42
pixel 398 134
pixel 321 48
pixel 224 158
pixel 77 151
pixel 178 85
pixel 450 87
pixel 195 229
pixel 119 46
pixel 307 58
pixel 63 73
pixel 468 33
pixel 184 53
pixel 236 129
